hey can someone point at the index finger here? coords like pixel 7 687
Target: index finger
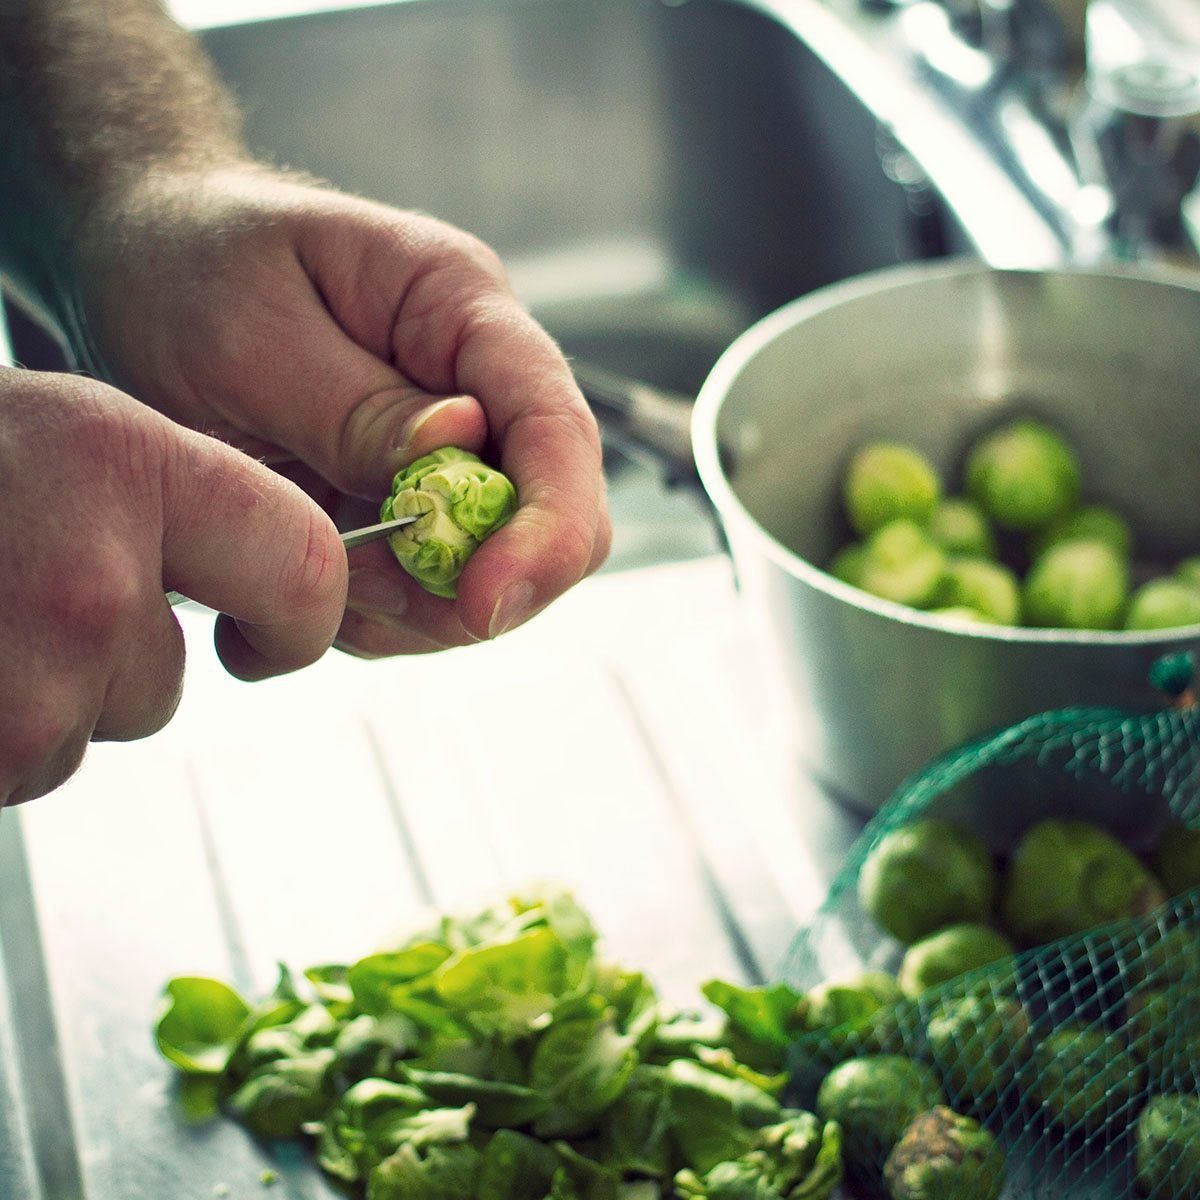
pixel 550 448
pixel 243 540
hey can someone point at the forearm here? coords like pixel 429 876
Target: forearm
pixel 95 95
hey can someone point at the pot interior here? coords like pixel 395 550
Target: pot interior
pixel 933 358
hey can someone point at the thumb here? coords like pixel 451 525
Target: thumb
pixel 348 414
pixel 251 545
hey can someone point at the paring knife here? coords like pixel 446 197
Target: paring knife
pixel 350 539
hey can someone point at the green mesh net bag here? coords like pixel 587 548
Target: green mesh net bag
pixel 1011 1007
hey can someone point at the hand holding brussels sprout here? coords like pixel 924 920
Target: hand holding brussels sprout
pixel 459 501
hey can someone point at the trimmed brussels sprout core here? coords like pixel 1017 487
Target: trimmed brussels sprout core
pixel 886 481
pixel 1023 476
pixel 985 587
pixel 1077 585
pixel 460 500
pixel 902 564
pixel 1066 876
pixel 874 1099
pixel 979 1042
pixel 945 1156
pixel 924 876
pixel 1163 604
pixel 1083 1079
pixel 1094 522
pixel 1168 1148
pixel 1178 859
pixel 959 527
pixel 949 953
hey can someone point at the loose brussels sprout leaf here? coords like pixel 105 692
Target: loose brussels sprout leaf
pixel 582 1178
pixel 634 1131
pixel 516 1167
pixel 874 1099
pixel 460 501
pixel 1168 1148
pixel 763 1021
pixel 198 1024
pixel 960 528
pixel 1083 1079
pixel 925 876
pixel 331 985
pixel 902 564
pixel 945 1156
pixel 280 1098
pixel 721 1059
pixel 1023 476
pixel 886 481
pixel 497 1104
pixel 508 985
pixel 713 1117
pixel 581 1067
pixel 361 1131
pixel 437 1172
pixel 1163 604
pixel 1068 876
pixel 1077 585
pixel 368 1046
pixel 372 979
pixel 949 953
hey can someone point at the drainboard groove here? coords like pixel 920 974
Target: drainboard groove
pixel 46 1100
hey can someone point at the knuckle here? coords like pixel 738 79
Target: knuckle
pixel 93 604
pixel 34 740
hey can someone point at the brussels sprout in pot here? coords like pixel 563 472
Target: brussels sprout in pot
pixel 935 356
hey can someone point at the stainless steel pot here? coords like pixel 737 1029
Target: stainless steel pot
pixel 931 355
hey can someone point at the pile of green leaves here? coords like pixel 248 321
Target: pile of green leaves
pixel 498 1057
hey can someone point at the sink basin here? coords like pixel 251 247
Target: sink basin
pixel 656 175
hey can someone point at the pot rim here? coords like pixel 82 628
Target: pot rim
pixel 728 368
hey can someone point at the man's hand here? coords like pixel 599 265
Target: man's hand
pixel 301 324
pixel 106 504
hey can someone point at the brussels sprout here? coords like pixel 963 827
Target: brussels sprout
pixel 1023 476
pixel 1163 1031
pixel 1083 1079
pixel 987 587
pixel 1189 570
pixel 280 1098
pixel 874 1099
pixel 925 876
pixel 857 1016
pixel 460 501
pixel 949 953
pixel 1177 861
pixel 1163 604
pixel 978 1042
pixel 1094 522
pixel 1077 585
pixel 1168 1148
pixel 900 563
pixel 798 1159
pixel 886 481
pixel 945 1156
pixel 1066 876
pixel 959 527
pixel 847 564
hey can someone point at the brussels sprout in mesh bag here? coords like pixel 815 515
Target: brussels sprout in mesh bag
pixel 979 1043
pixel 949 953
pixel 1168 1148
pixel 927 875
pixel 460 500
pixel 1083 1078
pixel 945 1156
pixel 873 1099
pixel 1177 861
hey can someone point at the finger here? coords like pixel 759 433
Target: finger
pixel 147 685
pixel 44 745
pixel 551 450
pixel 243 540
pixel 373 636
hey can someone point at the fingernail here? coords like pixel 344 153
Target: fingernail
pixel 377 592
pixel 511 609
pixel 413 427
